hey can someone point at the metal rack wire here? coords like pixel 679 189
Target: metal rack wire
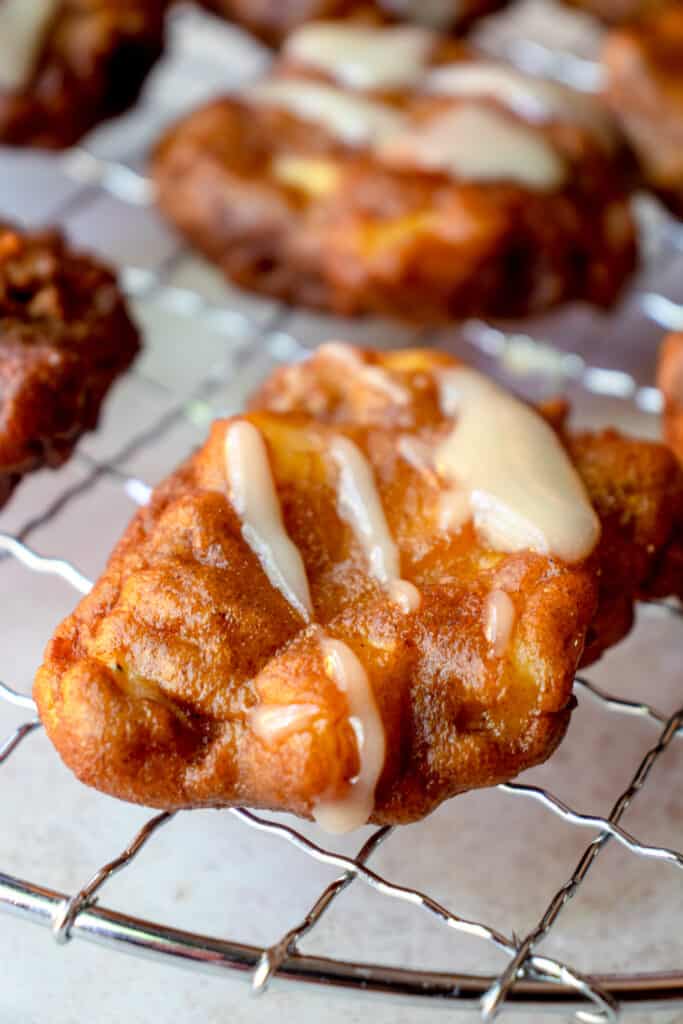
pixel 531 981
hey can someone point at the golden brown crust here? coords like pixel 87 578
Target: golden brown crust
pixel 670 381
pixel 92 67
pixel 65 335
pixel 637 490
pixel 356 233
pixel 146 690
pixel 644 86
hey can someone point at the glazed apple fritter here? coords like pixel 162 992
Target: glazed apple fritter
pixel 366 595
pixel 644 86
pixel 391 171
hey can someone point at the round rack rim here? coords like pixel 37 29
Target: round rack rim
pixel 207 954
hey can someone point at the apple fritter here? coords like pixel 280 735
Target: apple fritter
pixel 366 595
pixel 643 65
pixel 68 65
pixel 391 171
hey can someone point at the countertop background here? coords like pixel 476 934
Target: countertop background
pixel 487 855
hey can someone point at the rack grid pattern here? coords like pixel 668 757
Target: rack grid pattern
pixel 253 340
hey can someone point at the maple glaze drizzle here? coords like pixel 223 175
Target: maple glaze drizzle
pixel 253 494
pixel 353 809
pixel 522 488
pixel 530 97
pixel 355 120
pixel 474 143
pixel 363 56
pixel 360 506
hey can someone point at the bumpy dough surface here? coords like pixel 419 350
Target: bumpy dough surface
pixel 146 690
pixel 65 335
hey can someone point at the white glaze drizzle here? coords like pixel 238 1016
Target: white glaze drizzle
pixel 363 56
pixel 474 143
pixel 455 509
pixel 499 621
pixel 353 119
pixel 405 594
pixel 524 492
pixel 253 494
pixel 374 376
pixel 23 25
pixel 342 814
pixel 530 97
pixel 273 723
pixel 360 506
pixel 417 453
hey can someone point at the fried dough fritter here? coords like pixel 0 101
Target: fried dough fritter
pixel 468 189
pixel 155 689
pixel 65 336
pixel 91 61
pixel 644 87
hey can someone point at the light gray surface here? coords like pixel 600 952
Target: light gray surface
pixel 487 855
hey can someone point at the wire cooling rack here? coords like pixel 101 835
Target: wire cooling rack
pixel 247 339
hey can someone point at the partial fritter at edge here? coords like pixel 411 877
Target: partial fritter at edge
pixel 644 86
pixel 65 336
pixel 618 12
pixel 670 380
pixel 67 65
pixel 389 171
pixel 350 603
